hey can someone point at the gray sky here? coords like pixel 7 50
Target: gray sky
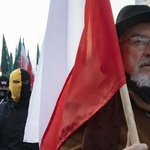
pixel 25 18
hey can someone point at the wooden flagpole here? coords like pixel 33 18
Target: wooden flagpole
pixel 129 115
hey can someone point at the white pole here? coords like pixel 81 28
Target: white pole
pixel 129 115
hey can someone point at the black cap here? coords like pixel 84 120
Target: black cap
pixel 4 81
pixel 131 15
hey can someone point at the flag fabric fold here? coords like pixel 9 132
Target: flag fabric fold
pixel 96 76
pixel 51 72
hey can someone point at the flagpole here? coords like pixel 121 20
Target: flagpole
pixel 129 115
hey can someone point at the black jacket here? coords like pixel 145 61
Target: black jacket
pixel 12 127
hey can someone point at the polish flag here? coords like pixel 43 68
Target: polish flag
pixel 97 75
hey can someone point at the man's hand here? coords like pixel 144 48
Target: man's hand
pixel 140 146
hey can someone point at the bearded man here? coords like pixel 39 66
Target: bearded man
pixel 107 129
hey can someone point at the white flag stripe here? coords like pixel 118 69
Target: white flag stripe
pixel 32 125
pixel 75 28
pixel 52 70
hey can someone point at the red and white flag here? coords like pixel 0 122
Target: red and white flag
pixel 25 63
pixel 23 58
pixel 96 76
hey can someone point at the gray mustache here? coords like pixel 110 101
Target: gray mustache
pixel 145 61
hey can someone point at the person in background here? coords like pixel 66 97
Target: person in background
pixel 107 129
pixel 12 123
pixel 4 91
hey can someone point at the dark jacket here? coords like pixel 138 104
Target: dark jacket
pixel 107 129
pixel 12 127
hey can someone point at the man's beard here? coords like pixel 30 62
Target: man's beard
pixel 141 79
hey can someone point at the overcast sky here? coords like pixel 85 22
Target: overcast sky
pixel 23 18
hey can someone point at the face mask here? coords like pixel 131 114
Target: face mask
pixel 19 85
pixel 15 84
